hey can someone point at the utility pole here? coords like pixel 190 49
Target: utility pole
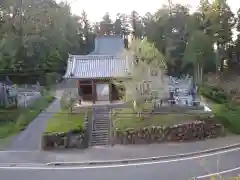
pixel 21 22
pixel 170 7
pixel 167 51
pixel 19 64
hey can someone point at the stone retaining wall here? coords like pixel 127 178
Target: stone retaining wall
pixel 197 130
pixel 192 131
pixel 63 141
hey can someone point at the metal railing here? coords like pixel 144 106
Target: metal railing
pixel 28 98
pixel 28 87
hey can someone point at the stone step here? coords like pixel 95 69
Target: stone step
pixel 101 123
pixel 100 112
pixel 99 139
pixel 100 136
pixel 95 126
pixel 103 141
pixel 101 120
pixel 97 129
pixel 100 132
pixel 100 144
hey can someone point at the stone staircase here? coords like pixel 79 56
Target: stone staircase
pixel 100 126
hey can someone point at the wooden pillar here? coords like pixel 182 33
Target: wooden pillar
pixel 110 92
pixel 93 92
pixel 79 88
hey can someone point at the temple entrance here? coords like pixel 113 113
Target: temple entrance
pixel 102 91
pixel 86 92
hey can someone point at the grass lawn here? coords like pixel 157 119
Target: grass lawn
pixel 126 118
pixel 64 122
pixel 13 121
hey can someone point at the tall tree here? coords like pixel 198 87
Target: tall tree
pixel 106 26
pixel 137 25
pixel 198 53
pixel 222 21
pixel 48 31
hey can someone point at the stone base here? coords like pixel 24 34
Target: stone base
pixel 197 130
pixel 63 141
pixel 192 131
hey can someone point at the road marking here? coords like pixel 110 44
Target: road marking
pixel 218 173
pixel 142 160
pixel 116 165
pixel 22 164
pixel 20 151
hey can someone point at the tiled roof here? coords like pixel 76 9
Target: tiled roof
pixel 104 62
pixel 108 45
pixel 96 66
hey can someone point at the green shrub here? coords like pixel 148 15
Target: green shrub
pixel 225 111
pixel 228 117
pixel 230 120
pixel 52 78
pixel 215 94
pixel 63 103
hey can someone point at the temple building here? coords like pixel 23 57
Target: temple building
pixel 96 71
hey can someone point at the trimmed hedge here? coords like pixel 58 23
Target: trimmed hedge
pixel 215 94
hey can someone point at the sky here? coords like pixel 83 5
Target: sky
pixel 95 9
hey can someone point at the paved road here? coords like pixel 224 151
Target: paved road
pixel 30 138
pixel 181 169
pixel 115 152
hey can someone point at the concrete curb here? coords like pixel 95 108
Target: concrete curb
pixel 141 160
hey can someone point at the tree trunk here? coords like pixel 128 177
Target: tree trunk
pixel 221 65
pixel 194 75
pixel 217 56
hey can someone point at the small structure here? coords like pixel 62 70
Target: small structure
pixel 8 93
pixel 94 72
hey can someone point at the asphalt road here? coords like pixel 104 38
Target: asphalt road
pixel 181 169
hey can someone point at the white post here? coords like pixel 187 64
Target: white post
pixel 25 100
